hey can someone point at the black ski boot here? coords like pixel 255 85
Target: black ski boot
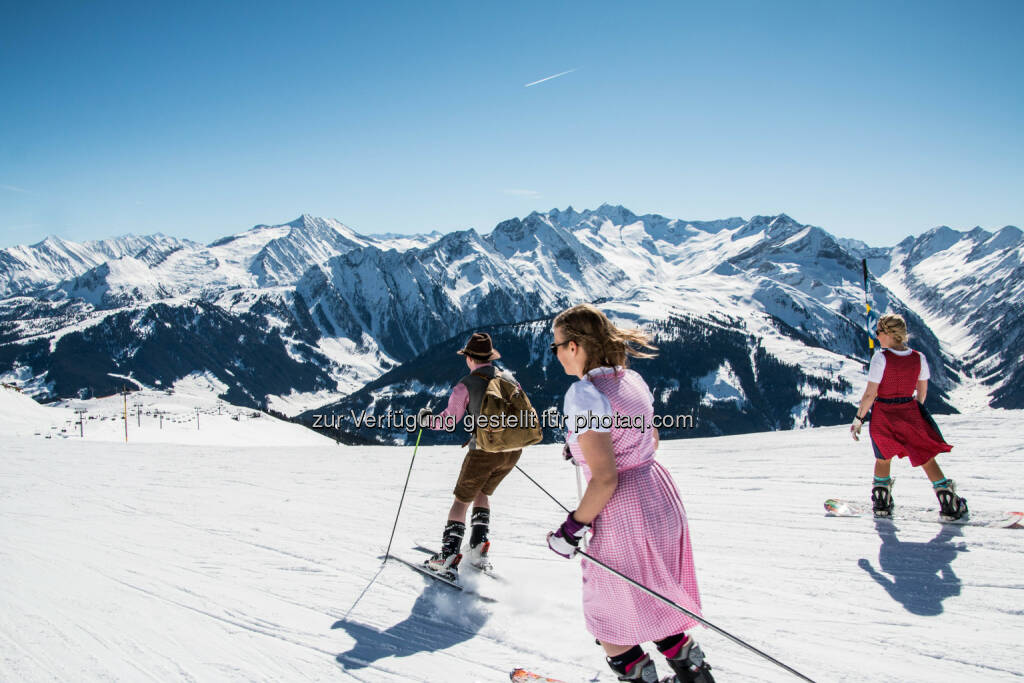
pixel 446 562
pixel 634 665
pixel 688 663
pixel 951 506
pixel 479 543
pixel 881 498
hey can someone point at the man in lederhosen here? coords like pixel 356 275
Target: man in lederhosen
pixel 482 471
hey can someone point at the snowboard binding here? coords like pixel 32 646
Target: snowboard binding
pixel 951 506
pixel 881 499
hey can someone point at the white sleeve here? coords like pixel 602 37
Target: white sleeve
pixel 925 372
pixel 584 409
pixel 877 367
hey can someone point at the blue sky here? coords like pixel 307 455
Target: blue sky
pixel 870 120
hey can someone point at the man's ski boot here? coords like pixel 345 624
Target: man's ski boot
pixel 446 562
pixel 634 665
pixel 881 497
pixel 687 660
pixel 951 506
pixel 479 545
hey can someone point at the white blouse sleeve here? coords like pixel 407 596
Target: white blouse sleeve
pixel 877 367
pixel 925 372
pixel 585 408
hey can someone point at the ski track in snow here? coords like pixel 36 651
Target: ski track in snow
pixel 196 563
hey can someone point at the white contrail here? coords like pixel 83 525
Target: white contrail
pixel 550 77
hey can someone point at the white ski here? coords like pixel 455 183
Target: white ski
pixel 422 569
pixel 485 567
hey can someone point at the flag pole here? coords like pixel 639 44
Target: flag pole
pixel 867 310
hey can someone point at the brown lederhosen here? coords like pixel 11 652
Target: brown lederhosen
pixel 482 472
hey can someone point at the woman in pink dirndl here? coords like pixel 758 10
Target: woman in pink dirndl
pixel 631 504
pixel 900 425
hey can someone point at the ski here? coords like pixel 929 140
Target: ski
pixel 486 570
pixel 441 579
pixel 522 675
pixel 432 574
pixel 838 507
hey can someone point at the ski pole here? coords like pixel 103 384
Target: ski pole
pixel 542 489
pixel 387 553
pixel 579 483
pixel 688 613
pixel 670 603
pixel 579 492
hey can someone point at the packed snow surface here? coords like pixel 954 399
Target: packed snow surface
pixel 238 560
pixel 190 415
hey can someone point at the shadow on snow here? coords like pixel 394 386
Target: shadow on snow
pixel 440 618
pixel 922 575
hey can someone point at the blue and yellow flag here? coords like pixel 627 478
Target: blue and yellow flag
pixel 871 317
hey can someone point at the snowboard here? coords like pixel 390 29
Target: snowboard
pixel 838 507
pixel 522 676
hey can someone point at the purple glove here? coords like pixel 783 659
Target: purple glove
pixel 565 541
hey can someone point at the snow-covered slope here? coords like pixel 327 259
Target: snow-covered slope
pixel 969 287
pixel 20 415
pixel 185 562
pixel 189 413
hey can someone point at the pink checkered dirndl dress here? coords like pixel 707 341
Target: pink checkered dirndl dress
pixel 641 532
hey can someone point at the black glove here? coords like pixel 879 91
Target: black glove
pixel 566 453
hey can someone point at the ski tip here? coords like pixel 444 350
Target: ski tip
pixel 522 675
pixel 836 507
pixel 1013 520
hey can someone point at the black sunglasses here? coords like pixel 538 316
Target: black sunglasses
pixel 554 347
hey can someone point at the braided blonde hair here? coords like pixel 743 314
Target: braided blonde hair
pixel 606 345
pixel 893 324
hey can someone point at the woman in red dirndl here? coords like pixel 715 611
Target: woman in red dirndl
pixel 900 424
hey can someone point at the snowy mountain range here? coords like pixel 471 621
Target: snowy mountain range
pixel 761 321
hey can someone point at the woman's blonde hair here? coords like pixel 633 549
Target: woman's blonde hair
pixel 605 344
pixel 893 324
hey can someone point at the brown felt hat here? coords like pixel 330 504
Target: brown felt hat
pixel 479 347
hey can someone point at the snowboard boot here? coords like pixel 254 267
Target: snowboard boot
pixel 881 497
pixel 951 506
pixel 634 665
pixel 687 661
pixel 479 543
pixel 446 562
